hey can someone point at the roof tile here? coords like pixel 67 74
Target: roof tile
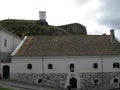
pixel 71 45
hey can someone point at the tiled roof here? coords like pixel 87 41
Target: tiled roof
pixel 73 45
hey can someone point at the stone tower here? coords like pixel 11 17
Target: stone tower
pixel 42 15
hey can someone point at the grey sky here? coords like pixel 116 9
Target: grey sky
pixel 109 12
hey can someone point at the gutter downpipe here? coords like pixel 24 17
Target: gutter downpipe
pixel 0 53
pixel 102 70
pixel 43 69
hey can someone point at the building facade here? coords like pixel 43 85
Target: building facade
pixel 79 60
pixel 8 43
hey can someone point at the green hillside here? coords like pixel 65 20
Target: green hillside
pixel 30 27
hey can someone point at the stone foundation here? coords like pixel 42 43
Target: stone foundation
pixel 52 80
pixel 88 81
pixel 105 80
pixel 55 80
pixel 26 77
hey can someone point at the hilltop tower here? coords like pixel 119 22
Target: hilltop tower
pixel 42 15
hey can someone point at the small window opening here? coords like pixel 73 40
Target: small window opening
pixel 72 70
pixel 5 42
pixel 39 80
pixel 115 80
pixel 96 81
pixel 116 65
pixel 29 66
pixel 95 65
pixel 71 66
pixel 50 66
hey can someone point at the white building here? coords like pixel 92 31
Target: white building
pixel 88 62
pixel 8 43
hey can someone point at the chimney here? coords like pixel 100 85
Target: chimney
pixel 112 36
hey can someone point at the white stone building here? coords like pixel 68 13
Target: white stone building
pixel 8 43
pixel 87 62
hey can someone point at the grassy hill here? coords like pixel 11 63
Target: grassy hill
pixel 40 27
pixel 30 27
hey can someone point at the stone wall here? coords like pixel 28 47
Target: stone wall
pixel 52 80
pixel 26 77
pixel 88 81
pixel 105 80
pixel 55 80
pixel 75 28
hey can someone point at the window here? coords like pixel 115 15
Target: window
pixel 72 70
pixel 50 66
pixel 5 42
pixel 115 80
pixel 71 66
pixel 95 65
pixel 116 65
pixel 96 81
pixel 39 80
pixel 29 66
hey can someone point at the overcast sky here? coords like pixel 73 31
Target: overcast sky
pixel 99 16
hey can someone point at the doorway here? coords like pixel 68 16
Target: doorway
pixel 73 82
pixel 6 72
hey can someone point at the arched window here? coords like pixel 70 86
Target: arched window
pixel 50 66
pixel 29 66
pixel 96 81
pixel 115 80
pixel 5 42
pixel 95 65
pixel 39 80
pixel 116 65
pixel 71 66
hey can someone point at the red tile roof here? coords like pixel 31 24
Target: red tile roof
pixel 73 45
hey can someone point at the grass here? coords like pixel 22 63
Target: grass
pixel 4 88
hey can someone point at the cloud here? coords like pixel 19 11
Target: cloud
pixel 110 15
pixel 81 2
pixel 107 14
